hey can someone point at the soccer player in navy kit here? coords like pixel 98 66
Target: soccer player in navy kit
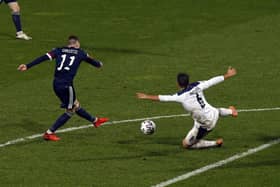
pixel 68 60
pixel 14 6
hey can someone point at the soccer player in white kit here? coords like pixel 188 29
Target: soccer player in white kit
pixel 204 115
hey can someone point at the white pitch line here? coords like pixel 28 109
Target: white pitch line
pixel 20 140
pixel 217 164
pixel 258 109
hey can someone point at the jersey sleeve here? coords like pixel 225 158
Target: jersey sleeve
pixel 37 61
pixel 170 98
pixel 92 61
pixel 211 82
pixel 52 54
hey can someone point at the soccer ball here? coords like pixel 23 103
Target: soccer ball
pixel 148 127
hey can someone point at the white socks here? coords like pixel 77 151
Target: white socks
pixel 49 131
pixel 204 144
pixel 225 111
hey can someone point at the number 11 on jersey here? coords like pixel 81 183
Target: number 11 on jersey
pixel 67 67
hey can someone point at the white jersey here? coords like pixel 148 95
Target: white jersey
pixel 193 101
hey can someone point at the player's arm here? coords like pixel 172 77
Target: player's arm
pixel 164 98
pixel 93 62
pixel 48 56
pixel 148 97
pixel 218 79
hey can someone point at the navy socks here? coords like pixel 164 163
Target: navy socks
pixel 82 113
pixel 66 116
pixel 60 122
pixel 16 20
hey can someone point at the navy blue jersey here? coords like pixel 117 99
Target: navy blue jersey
pixel 8 1
pixel 68 61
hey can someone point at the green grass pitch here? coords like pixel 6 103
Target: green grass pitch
pixel 143 44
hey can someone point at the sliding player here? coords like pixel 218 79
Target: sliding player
pixel 14 6
pixel 204 115
pixel 68 60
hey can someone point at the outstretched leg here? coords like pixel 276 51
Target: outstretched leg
pixel 84 114
pixel 228 111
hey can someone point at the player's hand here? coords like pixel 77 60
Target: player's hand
pixel 22 67
pixel 230 72
pixel 141 95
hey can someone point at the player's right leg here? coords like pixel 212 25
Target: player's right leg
pixel 67 97
pixel 228 111
pixel 194 140
pixel 15 8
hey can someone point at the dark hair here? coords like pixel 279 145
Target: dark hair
pixel 183 80
pixel 73 37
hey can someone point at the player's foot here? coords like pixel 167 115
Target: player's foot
pixel 51 137
pixel 234 111
pixel 21 35
pixel 100 122
pixel 219 142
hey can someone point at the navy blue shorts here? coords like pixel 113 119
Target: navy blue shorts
pixel 8 1
pixel 66 94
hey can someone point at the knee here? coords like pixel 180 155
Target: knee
pixel 77 105
pixel 70 112
pixel 15 8
pixel 185 144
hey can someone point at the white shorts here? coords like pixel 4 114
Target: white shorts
pixel 204 122
pixel 206 118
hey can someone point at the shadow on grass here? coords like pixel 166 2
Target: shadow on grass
pixel 266 138
pixel 158 140
pixel 146 155
pixel 168 140
pixel 34 127
pixel 124 51
pixel 140 152
pixel 5 36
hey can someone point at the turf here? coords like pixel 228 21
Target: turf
pixel 143 44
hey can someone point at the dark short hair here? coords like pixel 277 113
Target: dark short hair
pixel 73 37
pixel 183 80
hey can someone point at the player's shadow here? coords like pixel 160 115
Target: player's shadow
pixel 158 140
pixel 124 51
pixel 266 138
pixel 145 155
pixel 140 154
pixel 5 36
pixel 29 125
pixel 168 141
pixel 256 164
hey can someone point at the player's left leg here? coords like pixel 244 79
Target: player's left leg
pixel 84 114
pixel 15 8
